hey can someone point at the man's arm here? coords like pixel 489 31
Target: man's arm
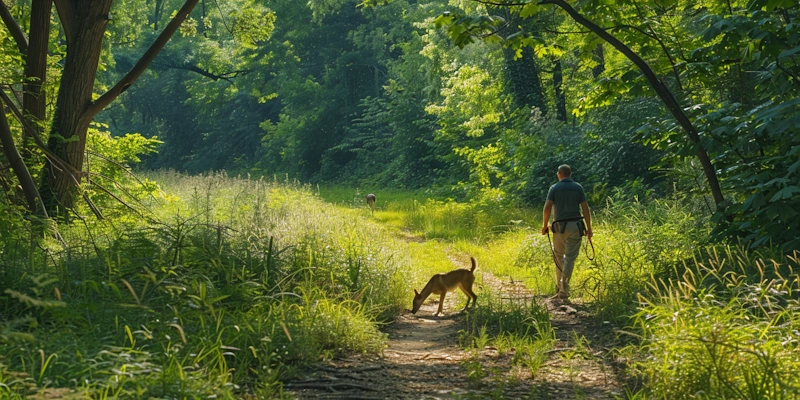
pixel 548 206
pixel 587 216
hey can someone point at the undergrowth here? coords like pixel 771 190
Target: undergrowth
pixel 515 332
pixel 216 286
pixel 727 327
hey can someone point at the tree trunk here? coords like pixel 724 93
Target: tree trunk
pixel 600 57
pixel 561 99
pixel 33 98
pixel 521 75
pixel 660 88
pixel 84 27
pixel 524 81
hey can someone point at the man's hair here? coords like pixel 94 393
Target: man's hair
pixel 565 170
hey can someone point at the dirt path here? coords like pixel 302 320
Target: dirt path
pixel 423 359
pixel 582 363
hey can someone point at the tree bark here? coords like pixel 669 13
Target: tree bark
pixel 660 88
pixel 84 26
pixel 33 98
pixel 561 98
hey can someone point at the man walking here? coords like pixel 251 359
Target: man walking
pixel 568 199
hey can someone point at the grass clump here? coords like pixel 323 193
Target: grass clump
pixel 512 335
pixel 726 328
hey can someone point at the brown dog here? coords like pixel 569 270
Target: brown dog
pixel 371 202
pixel 447 282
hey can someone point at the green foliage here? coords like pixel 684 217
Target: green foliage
pixel 639 240
pixel 724 328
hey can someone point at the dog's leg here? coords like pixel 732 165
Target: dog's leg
pixel 441 303
pixel 467 293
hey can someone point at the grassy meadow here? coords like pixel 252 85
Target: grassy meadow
pixel 221 286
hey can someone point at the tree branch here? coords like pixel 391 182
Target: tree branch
pixel 787 71
pixel 65 9
pixel 17 164
pixel 141 65
pixel 16 32
pixel 499 4
pixel 54 159
pixel 228 76
pixel 660 88
pixel 494 32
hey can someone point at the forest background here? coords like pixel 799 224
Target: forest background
pixel 679 115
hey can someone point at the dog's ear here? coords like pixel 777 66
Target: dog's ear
pixel 416 293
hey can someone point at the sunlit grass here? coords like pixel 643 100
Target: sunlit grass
pixel 221 288
pixel 727 328
pixel 224 286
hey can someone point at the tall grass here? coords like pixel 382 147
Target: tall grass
pixel 217 286
pixel 726 328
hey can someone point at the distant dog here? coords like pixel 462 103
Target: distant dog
pixel 371 202
pixel 447 282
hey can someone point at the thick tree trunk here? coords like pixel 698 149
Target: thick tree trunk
pixel 660 88
pixel 33 99
pixel 561 98
pixel 84 26
pixel 522 77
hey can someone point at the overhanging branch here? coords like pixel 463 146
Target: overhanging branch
pixel 228 76
pixel 141 65
pixel 663 92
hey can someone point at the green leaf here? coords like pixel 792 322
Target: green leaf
pixel 630 76
pixel 793 168
pixel 786 212
pixel 785 193
pixel 442 20
pixel 529 10
pixel 787 53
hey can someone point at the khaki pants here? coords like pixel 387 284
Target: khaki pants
pixel 566 246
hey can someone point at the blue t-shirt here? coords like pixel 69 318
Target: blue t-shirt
pixel 567 196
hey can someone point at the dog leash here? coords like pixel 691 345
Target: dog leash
pixel 585 250
pixel 553 251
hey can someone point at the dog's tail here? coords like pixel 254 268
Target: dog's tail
pixel 474 264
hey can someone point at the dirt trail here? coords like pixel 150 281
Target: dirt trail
pixel 423 360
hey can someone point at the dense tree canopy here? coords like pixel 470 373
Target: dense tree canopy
pixel 480 97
